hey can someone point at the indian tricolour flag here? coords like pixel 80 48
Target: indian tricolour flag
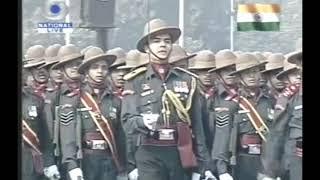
pixel 258 17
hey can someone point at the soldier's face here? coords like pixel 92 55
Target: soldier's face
pixel 117 77
pixel 206 78
pixel 160 47
pixel 56 75
pixel 274 82
pixel 251 77
pixel 40 75
pixel 182 64
pixel 224 74
pixel 27 78
pixel 98 71
pixel 295 77
pixel 71 69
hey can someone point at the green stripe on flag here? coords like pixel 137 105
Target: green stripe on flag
pixel 258 26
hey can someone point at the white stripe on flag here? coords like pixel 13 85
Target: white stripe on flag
pixel 259 17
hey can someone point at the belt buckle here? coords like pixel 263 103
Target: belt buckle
pixel 166 134
pixel 254 148
pixel 98 144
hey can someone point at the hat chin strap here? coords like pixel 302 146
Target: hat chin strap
pixel 68 77
pixel 159 61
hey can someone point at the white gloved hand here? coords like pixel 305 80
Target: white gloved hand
pixel 51 172
pixel 150 120
pixel 75 173
pixel 225 176
pixel 133 175
pixel 208 175
pixel 195 176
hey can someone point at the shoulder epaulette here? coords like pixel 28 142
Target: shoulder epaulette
pixel 186 71
pixel 134 73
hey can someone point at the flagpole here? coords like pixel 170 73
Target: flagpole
pixel 67 37
pixel 181 22
pixel 231 25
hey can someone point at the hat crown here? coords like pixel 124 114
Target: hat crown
pixel 92 52
pixel 132 57
pixel 259 56
pixel 275 61
pixel 245 61
pixel 287 66
pixel 153 25
pixel 35 52
pixel 177 53
pixel 224 58
pixel 204 57
pixel 52 50
pixel 67 50
pixel 118 52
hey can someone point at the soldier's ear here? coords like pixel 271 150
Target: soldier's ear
pixel 146 48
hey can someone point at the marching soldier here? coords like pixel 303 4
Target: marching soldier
pixel 199 65
pixel 179 57
pixel 285 138
pixel 40 76
pixel 161 105
pixel 98 115
pixel 272 68
pixel 222 109
pixel 117 74
pixel 65 112
pixel 263 81
pixel 252 119
pixel 37 154
pixel 53 85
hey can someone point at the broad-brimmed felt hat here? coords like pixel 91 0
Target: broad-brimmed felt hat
pixel 157 26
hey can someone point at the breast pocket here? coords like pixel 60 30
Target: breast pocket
pixel 244 123
pixel 147 104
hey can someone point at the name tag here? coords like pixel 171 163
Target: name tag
pixel 147 93
pixel 47 101
pixel 243 111
pixel 298 107
pixel 84 109
pixel 220 109
pixel 166 134
pixel 32 111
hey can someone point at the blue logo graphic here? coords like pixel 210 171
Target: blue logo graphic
pixel 55 8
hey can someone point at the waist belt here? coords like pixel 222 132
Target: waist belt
pixel 94 141
pixel 250 144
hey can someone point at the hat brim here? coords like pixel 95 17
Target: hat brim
pixel 106 57
pixel 269 70
pixel 239 71
pixel 130 67
pixel 31 65
pixel 173 31
pixel 52 61
pixel 200 67
pixel 219 68
pixel 294 57
pixel 183 58
pixel 67 60
pixel 121 62
pixel 281 74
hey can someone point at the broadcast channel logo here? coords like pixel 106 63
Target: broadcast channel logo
pixel 55 10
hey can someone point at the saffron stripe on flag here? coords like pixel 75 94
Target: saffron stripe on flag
pixel 259 8
pixel 258 26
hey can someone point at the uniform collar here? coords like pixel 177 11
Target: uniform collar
pixel 151 73
pixel 87 88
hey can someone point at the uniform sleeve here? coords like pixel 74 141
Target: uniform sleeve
pixel 44 138
pixel 201 150
pixel 132 122
pixel 69 122
pixel 274 147
pixel 120 137
pixel 220 152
